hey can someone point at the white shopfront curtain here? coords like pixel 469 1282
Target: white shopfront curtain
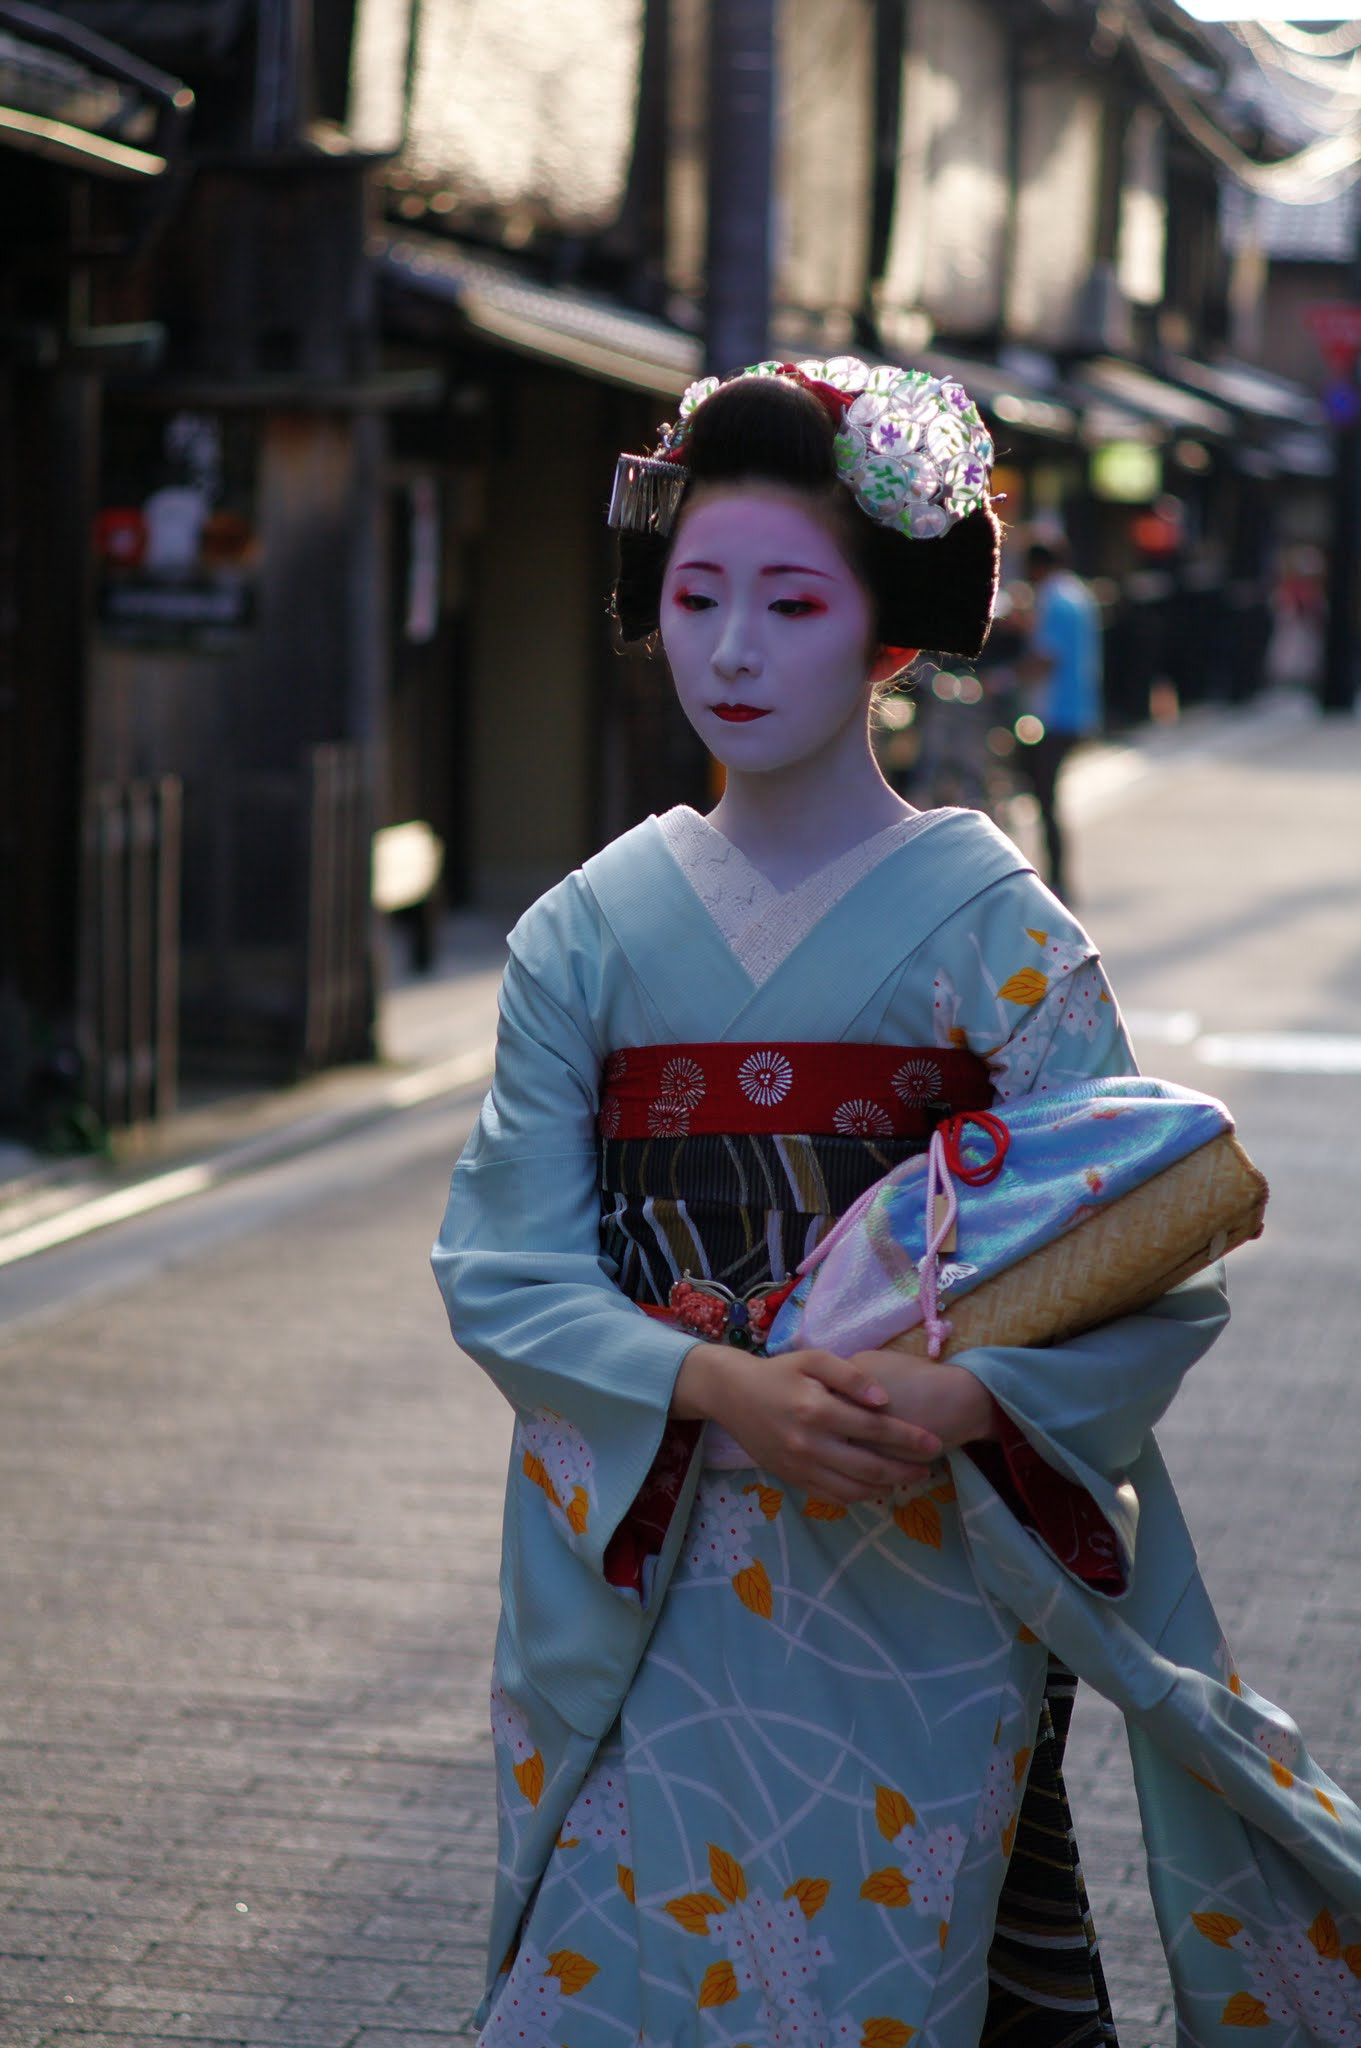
pixel 518 107
pixel 949 219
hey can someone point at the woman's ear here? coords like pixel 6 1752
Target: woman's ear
pixel 890 661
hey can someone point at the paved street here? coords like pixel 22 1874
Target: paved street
pixel 250 1495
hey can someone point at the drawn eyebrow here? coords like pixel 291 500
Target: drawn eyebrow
pixel 774 569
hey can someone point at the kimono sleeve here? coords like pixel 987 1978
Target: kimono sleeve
pixel 1082 1410
pixel 530 1296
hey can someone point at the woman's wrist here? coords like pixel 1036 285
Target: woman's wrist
pixel 698 1390
pixel 981 1420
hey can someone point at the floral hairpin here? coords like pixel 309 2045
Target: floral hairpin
pixel 912 448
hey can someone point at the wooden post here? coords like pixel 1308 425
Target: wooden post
pixel 741 152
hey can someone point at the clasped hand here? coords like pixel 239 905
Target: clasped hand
pixel 847 1429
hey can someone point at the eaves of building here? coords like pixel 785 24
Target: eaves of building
pixel 84 103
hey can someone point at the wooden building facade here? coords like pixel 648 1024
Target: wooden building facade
pixel 323 413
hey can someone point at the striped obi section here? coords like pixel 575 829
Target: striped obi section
pixel 729 1163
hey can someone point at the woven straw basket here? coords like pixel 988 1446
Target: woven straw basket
pixel 1117 1260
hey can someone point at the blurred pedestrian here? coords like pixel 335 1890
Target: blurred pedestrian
pixel 1062 669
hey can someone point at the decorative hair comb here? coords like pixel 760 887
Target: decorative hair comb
pixel 647 494
pixel 911 448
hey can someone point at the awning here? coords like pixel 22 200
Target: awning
pixel 1250 390
pixel 78 100
pixel 1138 391
pixel 578 329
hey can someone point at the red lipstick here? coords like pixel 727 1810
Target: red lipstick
pixel 738 714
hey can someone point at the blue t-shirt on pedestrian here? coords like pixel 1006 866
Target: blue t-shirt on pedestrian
pixel 1068 630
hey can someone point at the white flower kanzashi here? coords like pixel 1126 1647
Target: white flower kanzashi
pixel 683 1081
pixel 911 447
pixel 861 1118
pixel 765 1077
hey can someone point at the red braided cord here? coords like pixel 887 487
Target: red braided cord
pixel 952 1132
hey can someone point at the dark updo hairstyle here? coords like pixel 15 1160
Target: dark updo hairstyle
pixel 935 594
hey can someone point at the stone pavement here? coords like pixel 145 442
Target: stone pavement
pixel 250 1511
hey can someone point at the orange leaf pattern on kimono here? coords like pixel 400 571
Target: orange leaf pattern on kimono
pixel 1243 2010
pixel 573 1971
pixel 769 1499
pixel 886 2033
pixel 887 1887
pixel 529 1777
pixel 691 1911
pixel 1216 1927
pixel 1323 1934
pixel 752 1588
pixel 892 1812
pixel 1026 987
pixel 730 1880
pixel 811 1893
pixel 824 1510
pixel 626 1883
pixel 535 1470
pixel 719 1986
pixel 920 1519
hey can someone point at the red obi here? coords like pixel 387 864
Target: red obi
pixel 843 1091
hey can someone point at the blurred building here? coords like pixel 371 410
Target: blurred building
pixel 313 466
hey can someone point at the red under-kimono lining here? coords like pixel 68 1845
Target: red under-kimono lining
pixel 1052 1506
pixel 768 1089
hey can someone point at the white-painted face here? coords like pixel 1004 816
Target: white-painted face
pixel 766 627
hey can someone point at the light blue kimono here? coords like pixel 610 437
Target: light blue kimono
pixel 771 1800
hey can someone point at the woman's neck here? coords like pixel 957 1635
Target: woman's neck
pixel 792 822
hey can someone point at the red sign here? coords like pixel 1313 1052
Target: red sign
pixel 1336 327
